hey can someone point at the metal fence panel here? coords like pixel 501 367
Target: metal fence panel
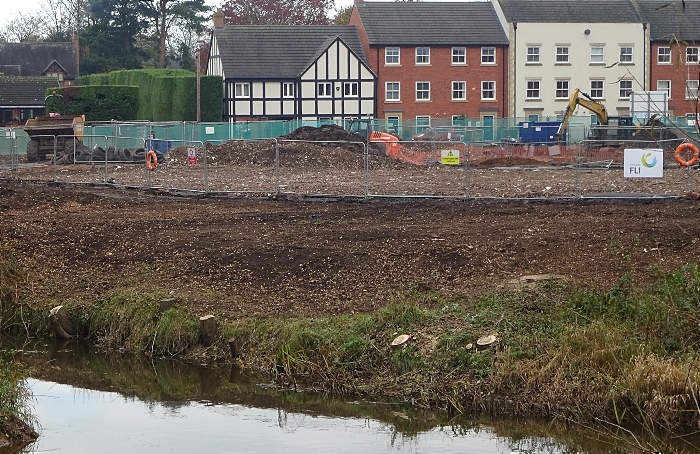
pixel 507 170
pixel 602 172
pixel 321 168
pixel 417 169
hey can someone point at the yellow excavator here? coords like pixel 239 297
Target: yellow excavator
pixel 611 128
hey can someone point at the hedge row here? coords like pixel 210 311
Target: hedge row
pixel 96 102
pixel 167 94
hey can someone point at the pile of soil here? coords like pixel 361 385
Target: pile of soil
pixel 324 133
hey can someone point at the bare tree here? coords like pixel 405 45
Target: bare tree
pixel 277 12
pixel 24 28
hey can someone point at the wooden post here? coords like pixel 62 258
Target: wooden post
pixel 209 329
pixel 235 351
pixel 62 325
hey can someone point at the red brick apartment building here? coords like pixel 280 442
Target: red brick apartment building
pixel 674 60
pixel 435 60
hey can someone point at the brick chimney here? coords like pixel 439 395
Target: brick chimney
pixel 218 19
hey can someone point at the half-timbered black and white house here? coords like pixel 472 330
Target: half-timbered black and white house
pixel 292 72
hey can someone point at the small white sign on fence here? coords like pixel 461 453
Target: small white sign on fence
pixel 644 163
pixel 191 156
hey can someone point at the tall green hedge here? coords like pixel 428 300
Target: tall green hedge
pixel 96 102
pixel 168 94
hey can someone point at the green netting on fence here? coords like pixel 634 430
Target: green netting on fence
pixel 139 134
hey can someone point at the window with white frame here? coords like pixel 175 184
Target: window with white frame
pixel 422 91
pixel 459 91
pixel 243 90
pixel 288 90
pixel 422 123
pixel 533 89
pixel 597 54
pixel 533 117
pixel 393 91
pixel 393 123
pixel 488 90
pixel 597 89
pixel 325 89
pixel 392 56
pixel 459 120
pixel 488 55
pixel 691 89
pixel 626 54
pixel 459 55
pixel 663 54
pixel 422 55
pixel 562 54
pixel 625 89
pixel 533 54
pixel 562 89
pixel 691 55
pixel 665 86
pixel 350 89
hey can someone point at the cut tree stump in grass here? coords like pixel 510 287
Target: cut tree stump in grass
pixel 165 304
pixel 61 323
pixel 209 329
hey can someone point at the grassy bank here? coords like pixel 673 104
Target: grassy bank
pixel 16 420
pixel 627 355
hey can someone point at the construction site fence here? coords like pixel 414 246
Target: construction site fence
pixel 165 134
pixel 445 169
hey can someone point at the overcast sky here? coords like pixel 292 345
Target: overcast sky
pixel 11 9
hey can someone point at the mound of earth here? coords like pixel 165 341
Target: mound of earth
pixel 324 133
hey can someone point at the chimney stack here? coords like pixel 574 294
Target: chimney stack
pixel 218 19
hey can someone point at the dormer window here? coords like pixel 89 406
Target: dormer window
pixel 58 76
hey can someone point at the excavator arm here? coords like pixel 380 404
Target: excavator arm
pixel 579 98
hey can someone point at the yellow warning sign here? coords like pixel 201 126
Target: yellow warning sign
pixel 449 157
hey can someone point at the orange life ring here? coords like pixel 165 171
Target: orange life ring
pixel 683 147
pixel 151 160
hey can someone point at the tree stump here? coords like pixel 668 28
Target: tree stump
pixel 209 329
pixel 165 304
pixel 61 324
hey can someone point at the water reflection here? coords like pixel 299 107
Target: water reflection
pixel 82 421
pixel 88 401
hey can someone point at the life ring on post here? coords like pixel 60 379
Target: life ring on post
pixel 151 160
pixel 682 148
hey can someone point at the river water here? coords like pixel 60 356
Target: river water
pixel 96 402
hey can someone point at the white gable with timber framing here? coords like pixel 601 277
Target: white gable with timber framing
pixel 351 83
pixel 292 72
pixel 214 67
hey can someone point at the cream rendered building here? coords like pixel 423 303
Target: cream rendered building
pixel 598 46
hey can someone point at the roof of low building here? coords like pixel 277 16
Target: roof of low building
pixel 431 23
pixel 31 59
pixel 571 11
pixel 672 20
pixel 279 51
pixel 20 91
